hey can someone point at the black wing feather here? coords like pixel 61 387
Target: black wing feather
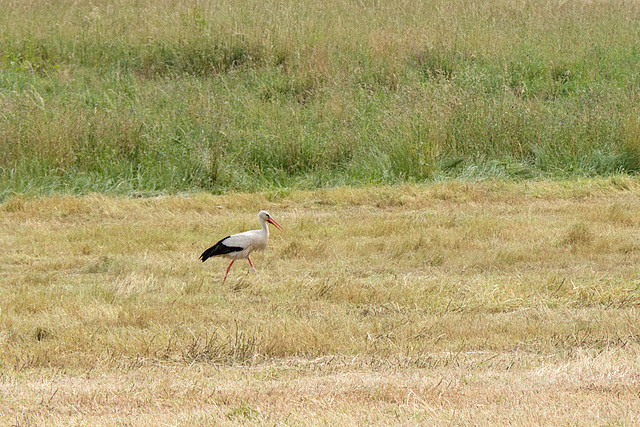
pixel 219 249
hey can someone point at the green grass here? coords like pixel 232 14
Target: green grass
pixel 178 96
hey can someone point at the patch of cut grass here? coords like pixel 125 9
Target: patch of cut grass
pixel 372 304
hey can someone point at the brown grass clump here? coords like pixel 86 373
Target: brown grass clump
pixel 464 303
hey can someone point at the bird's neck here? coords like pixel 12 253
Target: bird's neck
pixel 265 228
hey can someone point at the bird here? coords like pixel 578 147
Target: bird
pixel 239 246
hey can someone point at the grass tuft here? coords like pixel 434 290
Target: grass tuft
pixel 579 234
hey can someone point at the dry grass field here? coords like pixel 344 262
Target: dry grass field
pixel 451 303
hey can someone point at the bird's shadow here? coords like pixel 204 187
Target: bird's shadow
pixel 242 283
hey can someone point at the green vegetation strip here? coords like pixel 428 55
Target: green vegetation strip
pixel 180 96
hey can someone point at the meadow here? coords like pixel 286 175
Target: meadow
pixel 149 97
pixel 454 303
pixel 456 181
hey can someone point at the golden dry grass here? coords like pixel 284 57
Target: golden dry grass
pixel 452 303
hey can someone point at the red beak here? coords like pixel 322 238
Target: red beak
pixel 273 221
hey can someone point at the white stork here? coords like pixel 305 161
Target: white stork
pixel 239 246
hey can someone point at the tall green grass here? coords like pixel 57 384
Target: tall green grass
pixel 145 96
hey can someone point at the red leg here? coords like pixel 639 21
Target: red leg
pixel 251 264
pixel 228 268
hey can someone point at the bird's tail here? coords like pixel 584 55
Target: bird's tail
pixel 207 254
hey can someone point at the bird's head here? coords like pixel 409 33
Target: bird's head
pixel 264 216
